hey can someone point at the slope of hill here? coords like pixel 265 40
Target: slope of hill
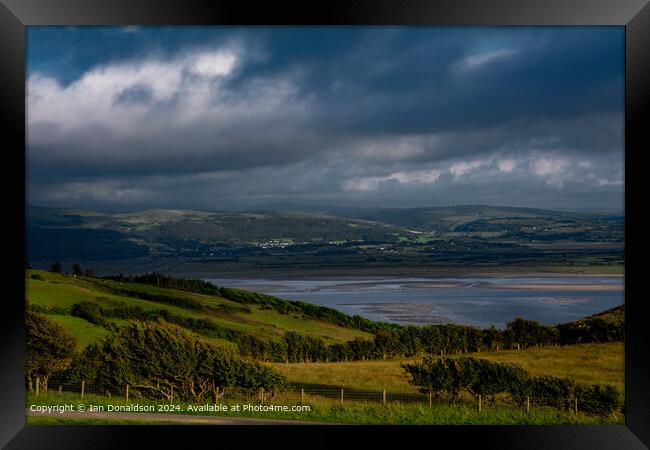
pixel 61 234
pixel 614 315
pixel 215 317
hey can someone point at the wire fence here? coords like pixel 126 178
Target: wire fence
pixel 319 396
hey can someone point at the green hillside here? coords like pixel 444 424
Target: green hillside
pixel 614 316
pixel 213 316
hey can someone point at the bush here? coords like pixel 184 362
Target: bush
pixel 49 349
pixel 475 375
pixel 552 391
pixel 598 399
pixel 437 375
pixel 484 377
pixel 163 360
pixel 91 312
pixel 520 390
pixel 37 276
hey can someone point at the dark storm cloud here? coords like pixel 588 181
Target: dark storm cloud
pixel 198 116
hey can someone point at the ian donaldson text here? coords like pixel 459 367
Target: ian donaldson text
pixel 167 408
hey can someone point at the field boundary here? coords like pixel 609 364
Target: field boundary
pixel 307 396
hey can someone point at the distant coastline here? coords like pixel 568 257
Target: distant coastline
pixel 195 268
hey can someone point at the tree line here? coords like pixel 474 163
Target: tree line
pixel 56 267
pixel 447 339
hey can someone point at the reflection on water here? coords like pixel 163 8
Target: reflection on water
pixel 479 301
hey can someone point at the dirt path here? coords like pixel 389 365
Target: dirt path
pixel 174 418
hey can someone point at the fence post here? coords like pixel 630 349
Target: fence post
pixel 60 389
pixel 341 396
pixel 262 394
pixel 37 385
pixel 527 404
pixel 216 396
pixel 83 387
pixel 575 405
pixel 302 395
pixel 384 398
pixel 479 403
pixel 171 395
pixel 127 392
pixel 430 399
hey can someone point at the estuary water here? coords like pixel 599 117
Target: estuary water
pixel 478 301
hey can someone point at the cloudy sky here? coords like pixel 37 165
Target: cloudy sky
pixel 216 117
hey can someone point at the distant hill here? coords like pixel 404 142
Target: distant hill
pixel 441 218
pixel 76 234
pixel 64 233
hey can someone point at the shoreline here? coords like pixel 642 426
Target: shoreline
pixel 195 269
pixel 360 283
pixel 425 277
pixel 557 287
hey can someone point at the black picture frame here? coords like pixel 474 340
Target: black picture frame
pixel 634 15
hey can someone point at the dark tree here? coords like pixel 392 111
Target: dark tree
pixel 161 360
pixel 56 267
pixel 49 349
pixel 76 269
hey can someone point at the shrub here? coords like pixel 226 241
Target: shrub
pixel 598 399
pixel 49 349
pixel 163 360
pixel 552 391
pixel 89 311
pixel 437 375
pixel 475 375
pixel 484 377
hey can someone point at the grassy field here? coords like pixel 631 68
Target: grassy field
pixel 351 413
pixel 85 332
pixel 58 293
pixel 585 363
pixel 355 375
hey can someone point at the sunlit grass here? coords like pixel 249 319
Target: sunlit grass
pixel 85 332
pixel 585 363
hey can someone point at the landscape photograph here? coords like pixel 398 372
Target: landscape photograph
pixel 325 225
